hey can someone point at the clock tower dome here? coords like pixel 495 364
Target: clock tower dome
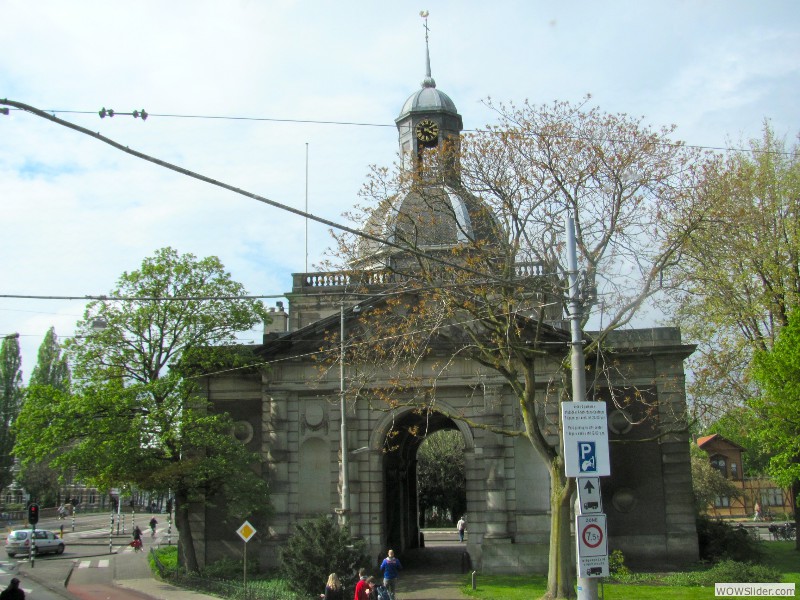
pixel 427 118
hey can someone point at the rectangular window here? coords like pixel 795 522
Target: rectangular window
pixel 772 497
pixel 722 501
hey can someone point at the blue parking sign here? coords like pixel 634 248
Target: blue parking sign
pixel 587 457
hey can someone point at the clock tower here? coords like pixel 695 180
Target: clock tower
pixel 427 118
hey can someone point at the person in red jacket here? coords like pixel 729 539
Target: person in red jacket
pixel 362 587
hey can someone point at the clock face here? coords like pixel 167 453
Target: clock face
pixel 427 130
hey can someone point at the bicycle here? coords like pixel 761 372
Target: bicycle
pixel 787 532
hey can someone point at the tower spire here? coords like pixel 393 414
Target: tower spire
pixel 428 82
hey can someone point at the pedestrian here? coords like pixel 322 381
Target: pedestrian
pixel 757 514
pixel 333 588
pixel 362 587
pixel 461 527
pixel 390 566
pixel 13 591
pixel 153 523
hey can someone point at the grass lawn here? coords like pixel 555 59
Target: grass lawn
pixel 780 555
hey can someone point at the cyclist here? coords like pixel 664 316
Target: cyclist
pixel 153 523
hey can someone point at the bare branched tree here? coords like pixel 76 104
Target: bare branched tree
pixel 480 272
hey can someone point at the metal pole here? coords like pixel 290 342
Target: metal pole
pixel 587 586
pixel 343 431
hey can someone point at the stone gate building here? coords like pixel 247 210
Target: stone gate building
pixel 291 415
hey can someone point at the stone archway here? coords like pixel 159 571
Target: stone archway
pixel 400 435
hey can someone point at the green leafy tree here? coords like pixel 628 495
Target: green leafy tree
pixel 739 425
pixel 441 476
pixel 40 480
pixel 317 548
pixel 778 373
pixel 52 367
pixel 708 483
pixel 134 417
pixel 10 403
pixel 739 270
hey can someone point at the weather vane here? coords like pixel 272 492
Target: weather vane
pixel 424 14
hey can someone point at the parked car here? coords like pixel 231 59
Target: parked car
pixel 19 542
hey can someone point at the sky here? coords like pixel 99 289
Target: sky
pixel 295 100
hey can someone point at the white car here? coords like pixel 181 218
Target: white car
pixel 19 542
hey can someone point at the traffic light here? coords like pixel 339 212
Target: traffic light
pixel 33 513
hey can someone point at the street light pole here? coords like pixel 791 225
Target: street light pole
pixel 345 508
pixel 587 586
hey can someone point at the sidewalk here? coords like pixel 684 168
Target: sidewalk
pixel 433 572
pixel 429 586
pixel 132 572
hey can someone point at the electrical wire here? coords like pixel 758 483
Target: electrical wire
pixel 306 215
pixel 55 111
pixel 349 344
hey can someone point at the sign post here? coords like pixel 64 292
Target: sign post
pixel 585 433
pixel 246 532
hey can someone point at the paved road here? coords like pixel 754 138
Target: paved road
pixel 95 559
pixel 99 566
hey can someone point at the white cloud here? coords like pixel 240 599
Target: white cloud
pixel 76 213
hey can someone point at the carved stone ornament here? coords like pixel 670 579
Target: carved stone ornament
pixel 243 431
pixel 314 417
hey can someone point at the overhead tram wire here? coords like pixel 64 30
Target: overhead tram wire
pixel 392 125
pixel 103 297
pixel 96 135
pixel 393 291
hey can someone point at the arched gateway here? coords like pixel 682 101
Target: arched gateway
pixel 291 411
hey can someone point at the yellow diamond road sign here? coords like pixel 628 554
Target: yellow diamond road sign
pixel 246 531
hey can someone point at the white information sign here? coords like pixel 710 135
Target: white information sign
pixel 589 495
pixel 592 544
pixel 585 428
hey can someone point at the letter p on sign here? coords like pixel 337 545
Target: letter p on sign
pixel 587 456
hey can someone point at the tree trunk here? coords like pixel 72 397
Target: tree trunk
pixel 187 557
pixel 561 572
pixel 795 493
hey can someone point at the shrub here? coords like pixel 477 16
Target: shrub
pixel 230 568
pixel 729 571
pixel 719 541
pixel 317 548
pixel 167 557
pixel 616 563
